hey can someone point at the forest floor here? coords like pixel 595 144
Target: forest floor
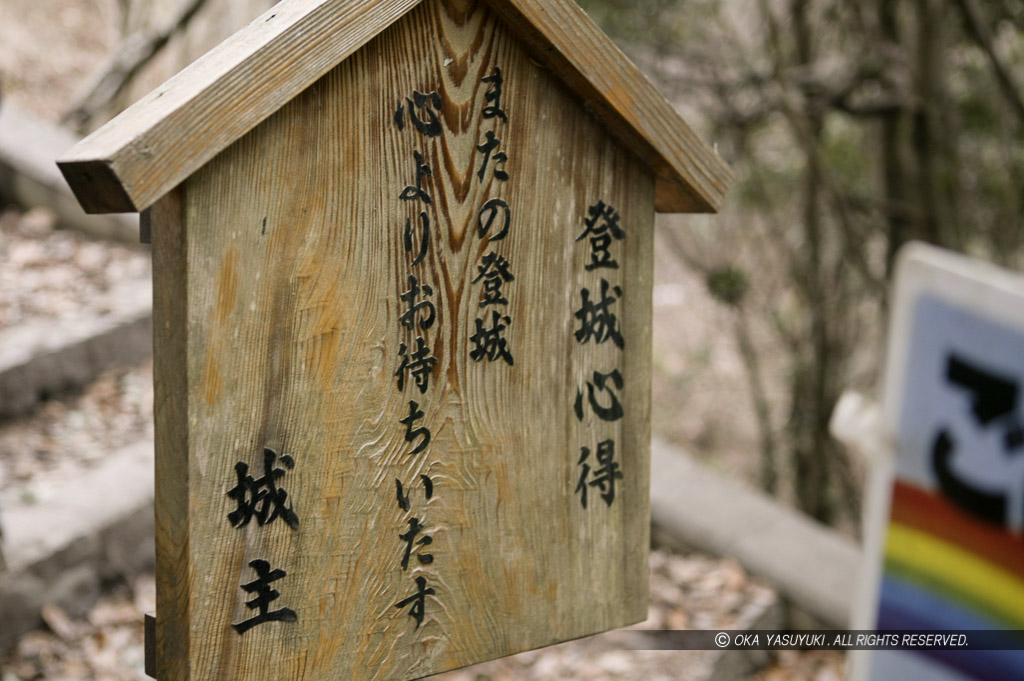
pixel 47 49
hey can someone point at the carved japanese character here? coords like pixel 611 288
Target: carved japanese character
pixel 493 269
pixel 597 320
pixel 412 434
pixel 264 596
pixel 604 476
pixel 490 144
pixel 602 225
pixel 410 316
pixel 430 104
pixel 490 342
pixel 417 601
pixel 419 365
pixel 613 411
pixel 262 498
pixel 409 537
pixel 493 96
pixel 495 209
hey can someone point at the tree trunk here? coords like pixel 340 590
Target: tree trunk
pixel 809 410
pixel 926 119
pixel 894 170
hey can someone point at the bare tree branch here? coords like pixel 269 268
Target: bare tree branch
pixel 982 35
pixel 131 56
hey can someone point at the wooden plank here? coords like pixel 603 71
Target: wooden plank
pixel 145 228
pixel 171 133
pixel 691 177
pixel 149 644
pixel 174 568
pixel 293 313
pixel 158 142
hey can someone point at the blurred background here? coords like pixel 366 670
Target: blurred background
pixel 851 127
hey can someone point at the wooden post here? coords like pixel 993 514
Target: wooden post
pixel 402 327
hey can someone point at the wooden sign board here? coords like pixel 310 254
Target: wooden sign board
pixel 945 547
pixel 402 332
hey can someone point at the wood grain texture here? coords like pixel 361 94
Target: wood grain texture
pixel 291 303
pixel 169 134
pixel 155 144
pixel 171 421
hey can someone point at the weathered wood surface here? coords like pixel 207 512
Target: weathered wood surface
pixel 172 423
pixel 280 267
pixel 169 134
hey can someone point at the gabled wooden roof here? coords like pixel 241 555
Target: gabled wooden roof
pixel 166 136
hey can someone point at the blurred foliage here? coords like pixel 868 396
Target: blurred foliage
pixel 727 285
pixel 657 24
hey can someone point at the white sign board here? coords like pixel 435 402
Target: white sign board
pixel 945 549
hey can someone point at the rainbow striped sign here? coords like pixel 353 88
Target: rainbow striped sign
pixel 946 533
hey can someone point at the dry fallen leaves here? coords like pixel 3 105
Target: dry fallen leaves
pixel 105 646
pixel 46 273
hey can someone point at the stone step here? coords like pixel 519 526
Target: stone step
pixel 813 567
pixel 47 356
pixel 64 537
